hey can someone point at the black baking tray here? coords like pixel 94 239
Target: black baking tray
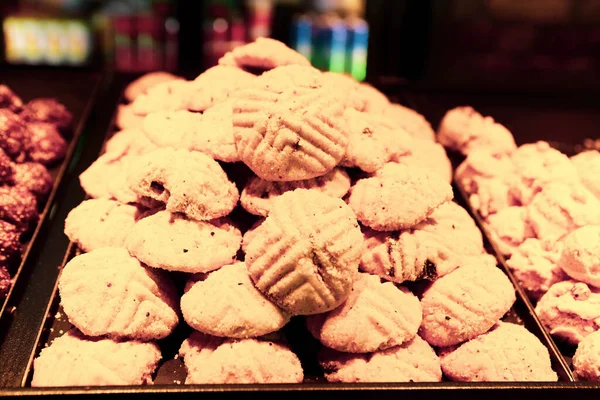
pixel 77 93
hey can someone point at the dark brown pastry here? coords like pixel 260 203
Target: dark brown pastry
pixel 47 145
pixel 47 110
pixel 10 246
pixel 35 178
pixel 15 138
pixel 5 283
pixel 6 168
pixel 18 206
pixel 9 100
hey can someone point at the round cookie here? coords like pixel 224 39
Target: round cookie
pixel 398 197
pixel 305 256
pixel 18 207
pixel 586 361
pixel 263 54
pixel 570 310
pixel 227 304
pixel 465 303
pixel 258 195
pixel 375 317
pixel 410 121
pixel 190 183
pixel 464 129
pixel 108 292
pixel 509 228
pixel 76 360
pixel 214 360
pixel 166 96
pixel 580 257
pixel 47 110
pixel 145 82
pixel 561 208
pixel 175 243
pixel 535 265
pixel 47 145
pixel 129 142
pixel 215 85
pixel 15 138
pixel 373 141
pixel 587 165
pixel 98 223
pixel 35 178
pixel 508 353
pixel 288 125
pixel 414 361
pixel 431 156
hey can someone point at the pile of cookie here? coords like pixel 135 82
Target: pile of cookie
pixel 345 219
pixel 32 137
pixel 542 210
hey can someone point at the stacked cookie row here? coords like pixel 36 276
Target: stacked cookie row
pixel 31 138
pixel 353 229
pixel 543 211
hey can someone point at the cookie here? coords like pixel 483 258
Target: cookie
pixel 258 195
pixel 98 223
pixel 215 85
pixel 509 228
pixel 47 145
pixel 465 303
pixel 410 121
pixel 570 311
pixel 227 304
pixel 536 165
pixel 535 265
pixel 414 361
pixel 262 55
pixel 375 101
pixel 47 110
pixel 108 292
pixel 18 207
pixel 431 249
pixel 375 317
pixel 373 141
pixel 217 138
pixel 465 130
pixel 487 177
pixel 126 117
pixel 508 353
pixel 305 256
pixel 214 360
pixel 347 84
pixel 15 138
pixel 398 197
pixel 175 243
pixel 429 155
pixel 561 208
pixel 166 96
pixel 587 165
pixel 10 246
pixel 76 360
pixel 580 257
pixel 6 168
pixel 35 178
pixel 586 361
pixel 145 82
pixel 289 126
pixel 129 142
pixel 250 234
pixel 9 100
pixel 190 183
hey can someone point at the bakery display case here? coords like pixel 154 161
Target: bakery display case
pixel 256 226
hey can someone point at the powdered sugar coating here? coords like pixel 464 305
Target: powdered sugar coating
pixel 509 228
pixel 580 257
pixel 586 361
pixel 587 164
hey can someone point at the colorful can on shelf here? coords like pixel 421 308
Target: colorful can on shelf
pixel 302 35
pixel 329 41
pixel 356 48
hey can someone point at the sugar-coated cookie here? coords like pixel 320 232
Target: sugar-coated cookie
pixel 145 82
pixel 166 96
pixel 47 144
pixel 508 352
pixel 227 304
pixel 465 303
pixel 251 233
pixel 375 317
pixel 586 361
pixel 98 223
pixel 305 256
pixel 18 207
pixel 215 85
pixel 126 118
pixel 414 361
pixel 35 178
pixel 410 121
pixel 263 54
pixel 398 197
pixel 464 129
pixel 77 360
pixel 289 125
pixel 107 177
pixel 580 257
pixel 535 265
pixel 190 183
pixel 47 110
pixel 176 243
pixel 214 360
pixel 429 155
pixel 587 165
pixel 431 249
pixel 570 310
pixel 259 194
pixel 15 138
pixel 509 228
pixel 131 141
pixel 108 292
